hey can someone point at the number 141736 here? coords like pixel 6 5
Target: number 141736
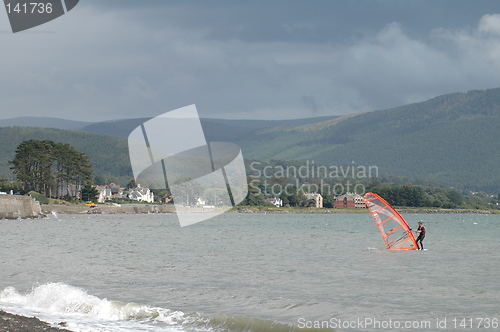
pixel 29 8
pixel 475 323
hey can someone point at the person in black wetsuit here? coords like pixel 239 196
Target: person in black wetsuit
pixel 421 235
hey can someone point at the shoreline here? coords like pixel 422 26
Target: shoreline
pixel 107 209
pixel 169 208
pixel 246 209
pixel 17 323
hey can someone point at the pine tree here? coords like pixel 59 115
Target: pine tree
pixel 52 169
pixel 89 193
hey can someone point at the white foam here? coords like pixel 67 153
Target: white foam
pixel 82 312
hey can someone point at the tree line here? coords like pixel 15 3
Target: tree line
pixel 397 190
pixel 53 169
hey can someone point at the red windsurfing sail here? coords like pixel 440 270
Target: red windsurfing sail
pixel 395 231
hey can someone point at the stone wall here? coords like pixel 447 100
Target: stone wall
pixel 16 206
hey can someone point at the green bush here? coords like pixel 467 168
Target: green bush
pixel 39 197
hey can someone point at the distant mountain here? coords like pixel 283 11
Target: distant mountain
pixel 215 129
pixel 261 124
pixel 43 122
pixel 452 139
pixel 106 142
pixel 121 128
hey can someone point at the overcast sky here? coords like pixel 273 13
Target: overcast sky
pixel 259 59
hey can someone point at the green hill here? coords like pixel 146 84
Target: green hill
pixel 106 142
pixel 452 139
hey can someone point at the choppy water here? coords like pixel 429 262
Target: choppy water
pixel 249 272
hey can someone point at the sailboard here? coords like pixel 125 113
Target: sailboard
pixel 395 231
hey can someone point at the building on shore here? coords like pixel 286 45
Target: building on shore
pixel 349 200
pixel 275 201
pixel 104 193
pixel 109 192
pixel 141 194
pixel 316 198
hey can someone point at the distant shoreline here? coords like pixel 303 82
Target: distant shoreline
pixel 404 210
pixel 169 208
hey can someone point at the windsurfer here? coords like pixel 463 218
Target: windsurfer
pixel 421 235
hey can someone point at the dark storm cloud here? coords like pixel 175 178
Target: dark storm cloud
pixel 248 59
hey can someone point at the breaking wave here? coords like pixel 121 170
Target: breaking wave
pixel 82 312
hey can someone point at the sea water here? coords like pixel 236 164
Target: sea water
pixel 250 272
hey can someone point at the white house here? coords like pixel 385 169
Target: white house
pixel 275 201
pixel 141 194
pixel 109 192
pixel 104 193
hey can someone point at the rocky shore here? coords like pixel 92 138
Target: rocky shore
pixel 15 323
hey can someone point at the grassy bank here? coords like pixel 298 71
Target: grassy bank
pixel 421 210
